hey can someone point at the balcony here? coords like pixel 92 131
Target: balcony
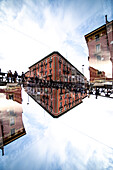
pixel 51 106
pixel 64 64
pixel 50 60
pixel 60 107
pixel 64 70
pixel 45 76
pixel 34 69
pixel 46 104
pixel 67 71
pixel 45 63
pixel 41 64
pixel 50 74
pixel 47 97
pixel 60 61
pixel 41 71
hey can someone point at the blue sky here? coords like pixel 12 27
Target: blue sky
pixel 66 143
pixel 31 29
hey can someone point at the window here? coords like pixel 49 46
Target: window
pixel 97 37
pixel 38 67
pixel 12 121
pixel 41 63
pixel 50 64
pixel 46 66
pixel 60 110
pixel 50 71
pixel 60 97
pixel 51 90
pixel 69 78
pixel 98 57
pixel 97 48
pixel 12 113
pixel 13 131
pixel 59 65
pixel 60 104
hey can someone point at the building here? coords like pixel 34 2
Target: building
pixel 11 123
pixel 59 77
pixel 96 75
pixel 14 93
pixel 100 46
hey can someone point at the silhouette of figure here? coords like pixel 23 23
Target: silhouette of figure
pixel 9 76
pixel 15 76
pixel 97 92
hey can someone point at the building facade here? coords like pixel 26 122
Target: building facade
pixel 100 46
pixel 11 123
pixel 57 71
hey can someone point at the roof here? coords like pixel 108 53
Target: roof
pixel 98 29
pixel 95 31
pixel 55 52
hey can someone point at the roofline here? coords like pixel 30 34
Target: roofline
pixel 55 52
pixel 98 29
pixel 94 31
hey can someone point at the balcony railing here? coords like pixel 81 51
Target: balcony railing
pixel 41 64
pixel 51 106
pixel 50 60
pixel 41 71
pixel 45 63
pixel 60 107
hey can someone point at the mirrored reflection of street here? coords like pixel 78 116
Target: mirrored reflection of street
pixel 11 124
pixel 80 139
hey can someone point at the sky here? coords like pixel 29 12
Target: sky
pixel 81 139
pixel 32 29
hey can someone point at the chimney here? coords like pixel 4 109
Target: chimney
pixel 106 19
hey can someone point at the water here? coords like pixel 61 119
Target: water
pixel 81 139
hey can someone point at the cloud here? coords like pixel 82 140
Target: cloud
pixel 32 29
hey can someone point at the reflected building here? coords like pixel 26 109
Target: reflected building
pixel 11 124
pixel 14 93
pixel 56 84
pixel 100 46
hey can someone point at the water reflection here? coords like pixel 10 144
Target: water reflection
pixel 56 101
pixel 11 124
pixel 78 140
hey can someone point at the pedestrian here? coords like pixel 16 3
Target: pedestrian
pixel 97 92
pixel 23 78
pixel 15 76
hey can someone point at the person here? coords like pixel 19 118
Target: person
pixel 23 78
pixel 9 75
pixel 15 76
pixel 97 92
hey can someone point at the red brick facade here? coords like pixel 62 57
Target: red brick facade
pixel 56 68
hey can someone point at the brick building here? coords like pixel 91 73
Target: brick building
pixel 11 124
pixel 14 93
pixel 96 75
pixel 100 46
pixel 55 68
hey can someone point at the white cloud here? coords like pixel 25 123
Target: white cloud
pixel 30 30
